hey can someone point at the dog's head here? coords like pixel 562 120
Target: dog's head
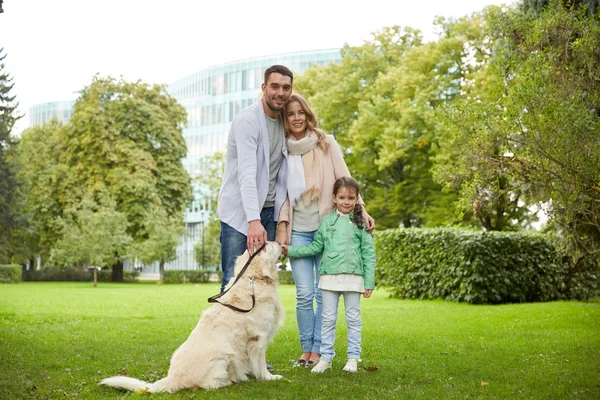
pixel 263 265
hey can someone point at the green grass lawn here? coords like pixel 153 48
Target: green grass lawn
pixel 58 340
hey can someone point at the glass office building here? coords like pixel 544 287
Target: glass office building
pixel 42 113
pixel 212 98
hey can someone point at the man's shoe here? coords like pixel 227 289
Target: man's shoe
pixel 351 365
pixel 321 367
pixel 270 367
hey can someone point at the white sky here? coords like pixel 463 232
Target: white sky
pixel 55 47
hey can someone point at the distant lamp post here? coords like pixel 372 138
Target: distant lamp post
pixel 203 264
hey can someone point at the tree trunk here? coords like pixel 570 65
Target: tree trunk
pixel 117 271
pixel 95 276
pixel 161 270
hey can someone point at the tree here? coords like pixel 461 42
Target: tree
pixel 535 118
pixel 45 181
pixel 538 6
pixel 123 142
pixel 381 102
pixel 163 235
pixel 207 250
pixel 91 234
pixel 12 220
pixel 125 138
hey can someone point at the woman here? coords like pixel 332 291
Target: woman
pixel 315 161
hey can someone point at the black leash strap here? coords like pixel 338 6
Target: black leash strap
pixel 214 298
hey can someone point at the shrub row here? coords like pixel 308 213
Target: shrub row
pixel 183 276
pixel 71 274
pixel 286 278
pixel 10 273
pixel 192 276
pixel 480 267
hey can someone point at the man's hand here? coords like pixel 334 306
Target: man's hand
pixel 284 249
pixel 257 236
pixel 367 293
pixel 368 219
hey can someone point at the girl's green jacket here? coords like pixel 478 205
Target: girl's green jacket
pixel 346 248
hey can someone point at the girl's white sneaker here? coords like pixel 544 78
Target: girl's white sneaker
pixel 351 365
pixel 321 367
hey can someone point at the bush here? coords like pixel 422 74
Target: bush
pixel 71 274
pixel 10 273
pixel 105 275
pixel 479 267
pixel 54 274
pixel 286 278
pixel 183 276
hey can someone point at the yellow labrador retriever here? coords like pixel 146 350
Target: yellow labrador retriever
pixel 226 346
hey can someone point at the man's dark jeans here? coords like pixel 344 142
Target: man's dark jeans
pixel 234 243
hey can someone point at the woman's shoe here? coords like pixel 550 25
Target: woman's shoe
pixel 312 361
pixel 300 363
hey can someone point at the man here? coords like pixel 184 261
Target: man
pixel 255 181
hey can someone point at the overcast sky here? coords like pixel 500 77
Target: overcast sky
pixel 55 47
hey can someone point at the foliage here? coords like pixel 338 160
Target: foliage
pixel 530 124
pixel 91 234
pixel 74 274
pixel 120 153
pixel 164 234
pixel 210 178
pixel 207 250
pixel 191 276
pixel 411 349
pixel 538 6
pixel 286 278
pixel 10 273
pixel 381 102
pixel 480 267
pixel 13 223
pixel 44 180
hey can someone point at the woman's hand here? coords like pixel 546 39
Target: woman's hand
pixel 367 293
pixel 284 249
pixel 368 219
pixel 282 236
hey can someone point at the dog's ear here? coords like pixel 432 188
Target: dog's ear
pixel 268 271
pixel 240 262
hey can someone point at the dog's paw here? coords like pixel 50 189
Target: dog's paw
pixel 272 377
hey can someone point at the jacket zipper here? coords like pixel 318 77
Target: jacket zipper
pixel 348 248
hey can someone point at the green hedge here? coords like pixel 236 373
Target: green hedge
pixel 480 267
pixel 286 278
pixel 10 273
pixel 183 276
pixel 192 276
pixel 71 274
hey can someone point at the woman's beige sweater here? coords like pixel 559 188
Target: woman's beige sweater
pixel 334 167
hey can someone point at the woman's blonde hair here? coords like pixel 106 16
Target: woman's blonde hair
pixel 312 125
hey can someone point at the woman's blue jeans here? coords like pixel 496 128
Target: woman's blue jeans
pixel 308 295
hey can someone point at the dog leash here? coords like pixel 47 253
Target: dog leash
pixel 214 298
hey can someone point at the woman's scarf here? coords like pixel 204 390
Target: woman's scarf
pixel 304 169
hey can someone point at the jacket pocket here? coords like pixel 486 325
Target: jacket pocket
pixel 332 254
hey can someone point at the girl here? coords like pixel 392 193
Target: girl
pixel 347 268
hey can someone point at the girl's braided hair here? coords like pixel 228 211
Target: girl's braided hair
pixel 350 183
